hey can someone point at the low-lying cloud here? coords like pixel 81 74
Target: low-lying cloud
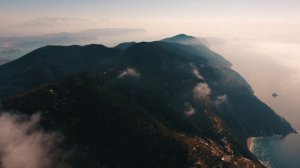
pixel 131 72
pixel 189 110
pixel 23 145
pixel 221 99
pixel 196 72
pixel 202 91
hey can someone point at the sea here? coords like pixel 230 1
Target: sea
pixel 270 67
pixel 277 152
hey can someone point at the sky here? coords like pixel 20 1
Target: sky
pixel 158 17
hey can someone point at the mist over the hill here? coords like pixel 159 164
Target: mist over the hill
pixel 23 144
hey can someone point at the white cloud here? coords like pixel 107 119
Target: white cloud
pixel 22 145
pixel 221 99
pixel 196 72
pixel 202 91
pixel 189 110
pixel 131 72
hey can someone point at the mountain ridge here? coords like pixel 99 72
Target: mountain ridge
pixel 184 89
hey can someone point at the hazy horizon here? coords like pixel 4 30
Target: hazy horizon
pixel 267 20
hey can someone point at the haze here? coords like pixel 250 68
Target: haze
pixel 230 18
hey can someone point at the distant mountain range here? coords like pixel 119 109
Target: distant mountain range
pixel 14 47
pixel 169 103
pixel 3 61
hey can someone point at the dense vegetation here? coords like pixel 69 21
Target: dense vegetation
pixel 138 105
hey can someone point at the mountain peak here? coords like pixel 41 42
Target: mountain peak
pixel 184 36
pixel 184 39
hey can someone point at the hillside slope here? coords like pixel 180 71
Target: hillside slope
pixel 154 104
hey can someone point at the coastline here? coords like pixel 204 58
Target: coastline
pixel 250 143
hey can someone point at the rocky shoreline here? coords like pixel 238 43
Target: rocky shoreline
pixel 250 143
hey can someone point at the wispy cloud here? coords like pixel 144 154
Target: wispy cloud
pixel 221 99
pixel 189 110
pixel 196 72
pixel 131 72
pixel 22 144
